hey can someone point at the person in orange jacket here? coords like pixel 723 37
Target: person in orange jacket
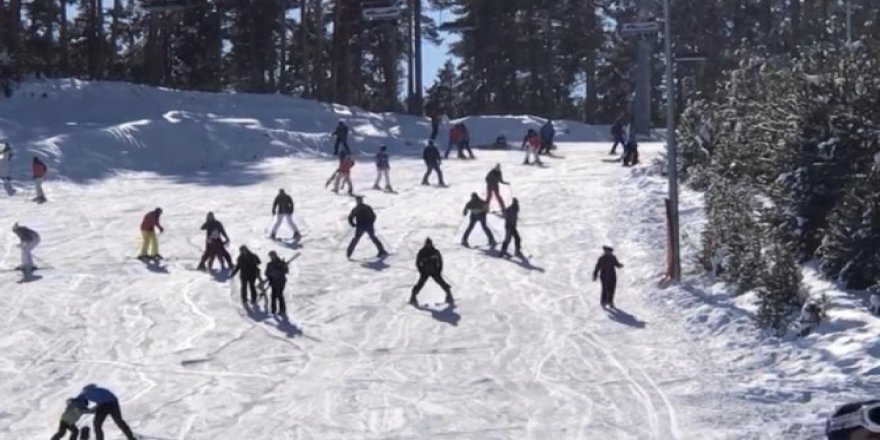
pixel 150 248
pixel 40 170
pixel 343 174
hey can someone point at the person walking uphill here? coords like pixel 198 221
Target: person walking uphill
pixel 74 410
pixel 511 217
pixel 341 134
pixel 363 218
pixel 383 167
pixel 40 170
pixel 276 274
pixel 150 247
pixel 431 155
pixel 606 271
pixel 282 209
pixel 429 263
pixel 29 240
pixel 215 244
pixel 248 266
pixel 493 179
pixel 478 209
pixel 106 404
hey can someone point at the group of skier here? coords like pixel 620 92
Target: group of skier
pixel 39 170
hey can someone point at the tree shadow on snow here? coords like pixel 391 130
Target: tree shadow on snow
pixel 447 314
pixel 625 318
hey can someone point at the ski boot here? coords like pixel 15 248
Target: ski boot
pixel 297 235
pixel 389 188
pixel 377 187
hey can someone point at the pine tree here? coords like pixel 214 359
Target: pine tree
pixel 441 97
pixel 779 296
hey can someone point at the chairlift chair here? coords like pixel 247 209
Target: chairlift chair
pixel 377 10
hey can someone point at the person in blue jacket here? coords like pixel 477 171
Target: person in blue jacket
pixel 106 404
pixel 547 135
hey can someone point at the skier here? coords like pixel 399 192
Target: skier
pixel 383 167
pixel 429 262
pixel 150 247
pixel 215 244
pixel 40 170
pixel 465 143
pixel 631 152
pixel 29 240
pixel 493 178
pixel 106 404
pixel 431 155
pixel 531 144
pixel 547 134
pixel 343 174
pixel 478 209
pixel 501 142
pixel 248 265
pixel 276 275
pixel 341 134
pixel 455 136
pixel 874 301
pixel 74 409
pixel 606 270
pixel 6 162
pixel 435 125
pixel 617 133
pixel 282 209
pixel 363 218
pixel 511 217
pixel 335 174
pixel 854 421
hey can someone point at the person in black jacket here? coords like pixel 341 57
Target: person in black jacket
pixel 435 125
pixel 215 244
pixel 617 133
pixel 282 208
pixel 631 152
pixel 341 134
pixel 431 155
pixel 248 265
pixel 276 275
pixel 362 218
pixel 493 179
pixel 606 270
pixel 478 209
pixel 511 217
pixel 429 262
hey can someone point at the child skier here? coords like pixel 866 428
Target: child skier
pixel 150 247
pixel 215 244
pixel 478 210
pixel 29 240
pixel 40 170
pixel 606 269
pixel 383 167
pixel 493 179
pixel 282 208
pixel 75 409
pixel 531 144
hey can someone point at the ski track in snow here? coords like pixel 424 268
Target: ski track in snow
pixel 527 353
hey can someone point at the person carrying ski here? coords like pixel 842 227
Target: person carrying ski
pixel 106 404
pixel 276 275
pixel 455 135
pixel 429 263
pixel 606 270
pixel 511 217
pixel 282 209
pixel 617 133
pixel 465 143
pixel 341 134
pixel 29 239
pixel 343 174
pixel 431 155
pixel 478 210
pixel 40 170
pixel 5 161
pixel 363 218
pixel 215 244
pixel 73 411
pixel 150 247
pixel 383 167
pixel 248 267
pixel 531 144
pixel 493 179
pixel 548 132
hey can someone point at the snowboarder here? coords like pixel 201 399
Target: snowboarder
pixel 282 209
pixel 215 245
pixel 150 247
pixel 854 421
pixel 631 152
pixel 478 210
pixel 531 144
pixel 606 270
pixel 617 133
pixel 465 143
pixel 5 161
pixel 248 266
pixel 431 155
pixel 74 409
pixel 363 218
pixel 40 170
pixel 106 404
pixel 435 125
pixel 455 137
pixel 429 263
pixel 343 174
pixel 341 134
pixel 276 275
pixel 29 240
pixel 511 217
pixel 547 135
pixel 383 167
pixel 493 179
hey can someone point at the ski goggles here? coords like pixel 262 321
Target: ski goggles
pixel 867 416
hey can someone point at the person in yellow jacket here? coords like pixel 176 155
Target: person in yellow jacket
pixel 75 409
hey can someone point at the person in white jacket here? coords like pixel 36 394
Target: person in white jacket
pixel 29 240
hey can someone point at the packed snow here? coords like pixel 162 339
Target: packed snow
pixel 527 353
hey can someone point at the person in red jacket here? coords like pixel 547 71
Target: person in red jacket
pixel 343 174
pixel 40 170
pixel 150 248
pixel 532 144
pixel 455 138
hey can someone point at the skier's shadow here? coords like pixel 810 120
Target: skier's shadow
pixel 221 276
pixel 447 314
pixel 281 322
pixel 377 265
pixel 7 185
pixel 625 318
pixel 157 268
pixel 525 263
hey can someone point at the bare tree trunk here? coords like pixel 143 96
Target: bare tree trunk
pixel 64 60
pixel 317 62
pixel 14 35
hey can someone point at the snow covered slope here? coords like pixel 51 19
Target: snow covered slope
pixel 527 353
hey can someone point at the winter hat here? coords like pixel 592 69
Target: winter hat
pixel 15 227
pixel 158 210
pixel 428 242
pixel 607 248
pixel 383 148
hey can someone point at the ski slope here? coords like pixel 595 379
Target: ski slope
pixel 527 353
